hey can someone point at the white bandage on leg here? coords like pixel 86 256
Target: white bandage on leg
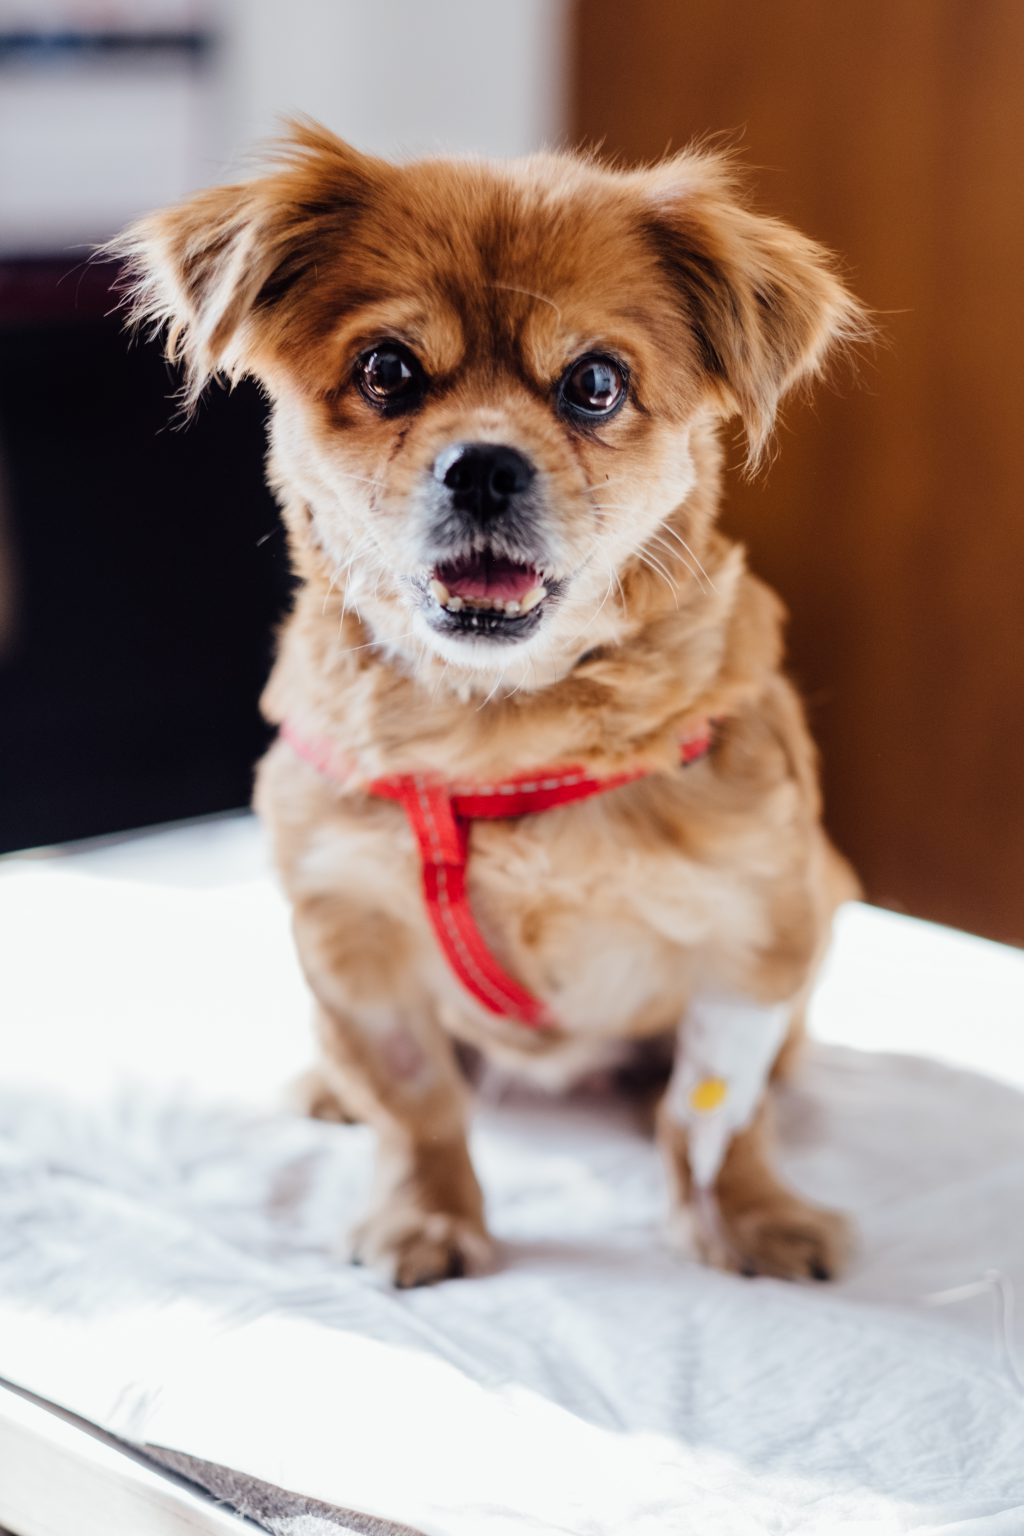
pixel 725 1051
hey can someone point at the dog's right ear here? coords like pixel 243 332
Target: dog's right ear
pixel 215 271
pixel 765 305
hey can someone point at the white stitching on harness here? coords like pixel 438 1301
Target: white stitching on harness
pixel 520 789
pixel 444 900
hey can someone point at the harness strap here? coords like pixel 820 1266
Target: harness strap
pixel 440 816
pixel 443 837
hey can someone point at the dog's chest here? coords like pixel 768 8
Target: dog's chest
pixel 607 919
pixel 597 909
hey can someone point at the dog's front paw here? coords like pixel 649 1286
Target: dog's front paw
pixel 784 1236
pixel 415 1247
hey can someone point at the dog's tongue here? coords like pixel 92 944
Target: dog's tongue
pixel 487 576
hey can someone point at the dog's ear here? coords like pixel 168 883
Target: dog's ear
pixel 764 303
pixel 213 270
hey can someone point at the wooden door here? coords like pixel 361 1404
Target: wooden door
pixel 893 519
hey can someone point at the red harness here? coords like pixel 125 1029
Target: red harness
pixel 440 816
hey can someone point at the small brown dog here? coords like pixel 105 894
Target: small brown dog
pixel 496 395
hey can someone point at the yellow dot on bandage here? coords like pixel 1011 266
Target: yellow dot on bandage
pixel 708 1094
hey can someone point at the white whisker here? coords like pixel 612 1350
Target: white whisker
pixel 379 644
pixel 442 675
pixel 674 554
pixel 689 557
pixel 522 681
pixel 529 294
pixel 490 696
pixel 597 611
pixel 604 484
pixel 360 479
pixel 654 564
pixel 675 534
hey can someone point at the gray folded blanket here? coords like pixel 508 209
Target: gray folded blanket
pixel 276 1509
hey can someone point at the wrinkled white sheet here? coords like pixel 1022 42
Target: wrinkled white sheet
pixel 166 1237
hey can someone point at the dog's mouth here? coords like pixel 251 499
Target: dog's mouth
pixel 483 594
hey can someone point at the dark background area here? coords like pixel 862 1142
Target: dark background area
pixel 143 584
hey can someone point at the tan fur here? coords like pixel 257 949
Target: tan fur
pixel 613 911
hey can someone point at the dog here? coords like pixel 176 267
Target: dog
pixel 497 394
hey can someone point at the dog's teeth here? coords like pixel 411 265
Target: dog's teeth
pixel 511 607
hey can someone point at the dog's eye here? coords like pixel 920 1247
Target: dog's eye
pixel 593 386
pixel 389 377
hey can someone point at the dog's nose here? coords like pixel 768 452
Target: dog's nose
pixel 483 477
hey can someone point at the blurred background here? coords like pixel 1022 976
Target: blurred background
pixel 141 572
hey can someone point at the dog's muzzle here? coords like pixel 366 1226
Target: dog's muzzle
pixel 488 578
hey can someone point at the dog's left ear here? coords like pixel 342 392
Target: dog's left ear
pixel 216 271
pixel 764 303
